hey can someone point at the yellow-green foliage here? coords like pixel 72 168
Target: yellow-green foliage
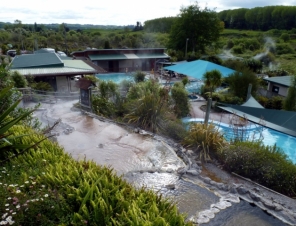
pixel 82 192
pixel 204 138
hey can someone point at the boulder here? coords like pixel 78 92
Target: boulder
pixel 195 166
pixel 193 172
pixel 182 170
pixel 170 186
pixel 233 190
pixel 268 204
pixel 242 190
pixel 220 186
pixel 207 180
pixel 169 170
pixel 255 197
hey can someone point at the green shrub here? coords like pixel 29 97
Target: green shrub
pixel 275 102
pixel 285 37
pixel 273 73
pixel 102 106
pixel 239 82
pixel 284 48
pixel 247 42
pixel 262 100
pixel 139 76
pixel 254 65
pixel 237 50
pixel 214 59
pixel 41 86
pixel 267 165
pixel 229 99
pixel 180 97
pixel 19 80
pixel 46 186
pixel 205 91
pixel 174 129
pixel 230 44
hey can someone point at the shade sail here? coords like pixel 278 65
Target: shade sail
pixel 279 120
pixel 197 68
pixel 252 102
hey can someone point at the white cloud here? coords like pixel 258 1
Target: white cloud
pixel 111 12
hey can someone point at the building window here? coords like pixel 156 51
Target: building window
pixel 275 89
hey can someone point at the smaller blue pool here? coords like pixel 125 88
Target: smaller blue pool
pixel 255 132
pixel 115 77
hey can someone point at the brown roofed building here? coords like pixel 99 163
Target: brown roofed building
pixel 123 60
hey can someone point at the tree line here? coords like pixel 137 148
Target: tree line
pixel 260 18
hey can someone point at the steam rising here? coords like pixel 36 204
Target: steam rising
pixel 269 47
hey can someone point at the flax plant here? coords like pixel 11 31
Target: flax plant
pixel 204 139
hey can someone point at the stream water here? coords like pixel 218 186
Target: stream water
pixel 192 198
pixel 147 162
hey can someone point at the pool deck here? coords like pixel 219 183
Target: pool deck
pixel 197 112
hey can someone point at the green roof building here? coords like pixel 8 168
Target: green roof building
pixel 49 67
pixel 279 85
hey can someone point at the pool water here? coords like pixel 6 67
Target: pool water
pixel 255 132
pixel 192 87
pixel 115 77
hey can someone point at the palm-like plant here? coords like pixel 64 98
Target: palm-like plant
pixel 8 146
pixel 147 106
pixel 212 80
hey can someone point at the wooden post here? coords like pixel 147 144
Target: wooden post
pixel 209 105
pixel 249 91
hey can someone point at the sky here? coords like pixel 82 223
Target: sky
pixel 112 12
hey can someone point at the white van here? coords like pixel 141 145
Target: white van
pixel 50 50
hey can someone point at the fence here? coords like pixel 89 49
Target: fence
pixel 46 96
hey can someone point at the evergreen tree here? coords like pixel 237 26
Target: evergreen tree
pixel 201 26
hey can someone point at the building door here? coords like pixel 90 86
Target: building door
pixel 275 89
pixel 113 66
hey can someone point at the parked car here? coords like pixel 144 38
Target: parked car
pixel 11 52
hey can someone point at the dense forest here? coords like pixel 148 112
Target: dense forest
pixel 260 18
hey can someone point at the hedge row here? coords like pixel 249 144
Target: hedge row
pixel 267 165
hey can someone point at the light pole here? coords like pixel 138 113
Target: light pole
pixel 186 48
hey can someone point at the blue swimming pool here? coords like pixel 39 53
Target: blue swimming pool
pixel 115 77
pixel 269 137
pixel 192 87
